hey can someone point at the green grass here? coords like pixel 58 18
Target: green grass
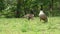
pixel 24 26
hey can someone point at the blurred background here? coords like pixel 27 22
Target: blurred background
pixel 18 8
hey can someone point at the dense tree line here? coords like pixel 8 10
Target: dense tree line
pixel 18 8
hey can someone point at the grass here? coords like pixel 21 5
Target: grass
pixel 24 26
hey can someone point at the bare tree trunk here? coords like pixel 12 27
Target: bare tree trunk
pixel 18 10
pixel 51 7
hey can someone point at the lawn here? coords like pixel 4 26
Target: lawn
pixel 24 26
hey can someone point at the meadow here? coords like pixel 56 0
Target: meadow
pixel 24 26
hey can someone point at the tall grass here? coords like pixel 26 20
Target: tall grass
pixel 24 26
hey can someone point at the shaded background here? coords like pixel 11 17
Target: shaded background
pixel 18 8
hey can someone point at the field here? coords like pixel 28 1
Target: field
pixel 24 26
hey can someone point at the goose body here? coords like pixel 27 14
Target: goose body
pixel 29 16
pixel 42 16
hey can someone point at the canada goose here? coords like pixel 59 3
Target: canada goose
pixel 42 16
pixel 29 16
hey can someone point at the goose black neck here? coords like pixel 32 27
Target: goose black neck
pixel 41 7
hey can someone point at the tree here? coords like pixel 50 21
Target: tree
pixel 2 5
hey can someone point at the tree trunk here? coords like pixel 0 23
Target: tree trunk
pixel 51 7
pixel 18 10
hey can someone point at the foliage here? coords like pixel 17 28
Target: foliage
pixel 9 8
